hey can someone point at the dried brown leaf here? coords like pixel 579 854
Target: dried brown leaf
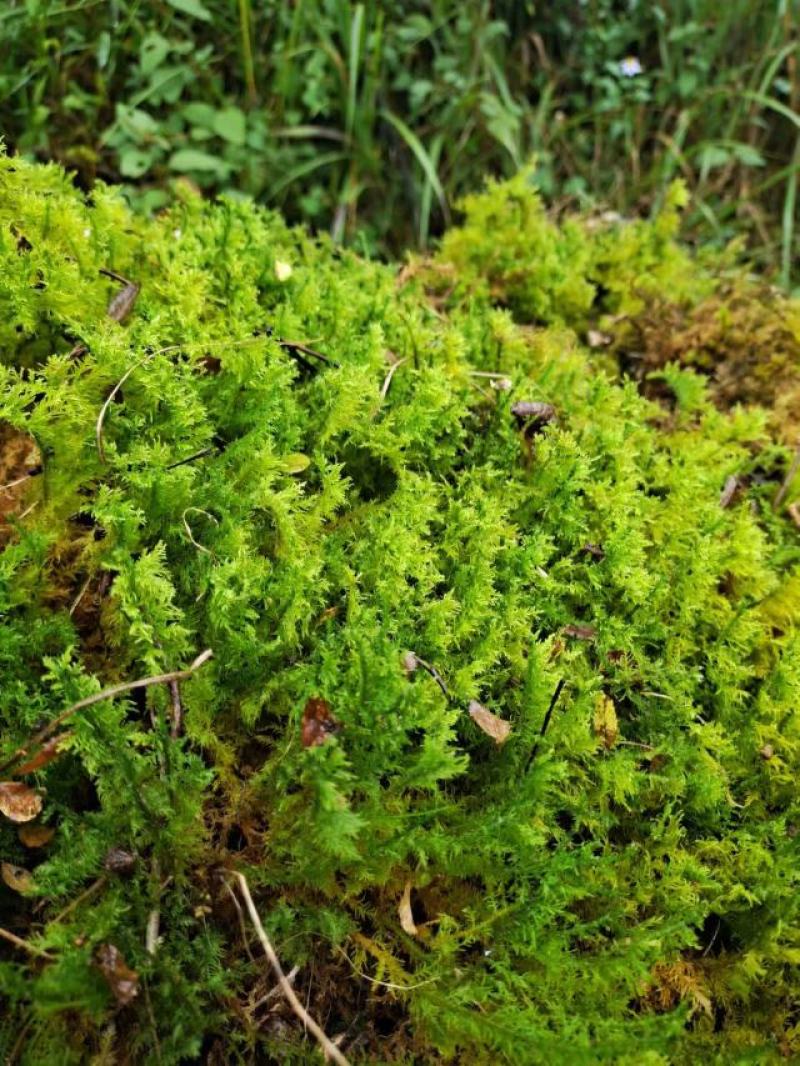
pixel 16 877
pixel 496 728
pixel 404 910
pixel 123 982
pixel 318 722
pixel 121 305
pixel 119 861
pixel 35 836
pixel 533 412
pixel 580 632
pixel 19 801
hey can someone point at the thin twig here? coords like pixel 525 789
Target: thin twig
pixel 98 432
pixel 107 694
pixel 80 595
pixel 328 1047
pixel 546 722
pixel 13 484
pixel 90 891
pixel 787 481
pixel 242 926
pixel 154 917
pixel 17 941
pixel 187 527
pixel 388 379
pixel 191 458
pixel 273 992
pixel 177 710
pixel 434 673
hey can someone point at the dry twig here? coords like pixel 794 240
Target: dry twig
pixel 107 694
pixel 329 1048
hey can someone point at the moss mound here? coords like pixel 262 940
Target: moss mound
pixel 501 723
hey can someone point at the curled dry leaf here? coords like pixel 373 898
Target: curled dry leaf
pixel 580 632
pixel 534 413
pixel 121 305
pixel 19 802
pixel 767 752
pixel 496 728
pixel 318 722
pixel 45 755
pixel 404 910
pixel 730 491
pixel 119 861
pixel 16 877
pixel 122 980
pixel 596 339
pixel 36 836
pixel 20 462
pixel 606 727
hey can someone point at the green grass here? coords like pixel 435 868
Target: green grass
pixel 370 122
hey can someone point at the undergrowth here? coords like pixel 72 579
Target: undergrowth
pixel 394 561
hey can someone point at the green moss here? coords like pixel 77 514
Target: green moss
pixel 578 896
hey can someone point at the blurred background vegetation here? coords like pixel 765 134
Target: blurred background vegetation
pixel 369 120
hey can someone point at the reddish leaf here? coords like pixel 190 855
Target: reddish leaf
pixel 18 801
pixel 35 836
pixel 123 982
pixel 46 754
pixel 318 722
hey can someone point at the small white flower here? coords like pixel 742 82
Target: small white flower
pixel 87 232
pixel 177 233
pixel 630 67
pixel 283 271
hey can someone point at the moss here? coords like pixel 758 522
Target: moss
pixel 579 893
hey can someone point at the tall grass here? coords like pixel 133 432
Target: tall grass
pixel 370 119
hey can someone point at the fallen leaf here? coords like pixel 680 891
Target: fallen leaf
pixel 45 755
pixel 729 491
pixel 123 982
pixel 121 305
pixel 606 727
pixel 534 413
pixel 20 462
pixel 581 632
pixel 16 877
pixel 119 861
pixel 496 728
pixel 596 339
pixel 18 801
pixel 283 271
pixel 594 549
pixel 766 752
pixel 35 836
pixel 404 910
pixel 318 722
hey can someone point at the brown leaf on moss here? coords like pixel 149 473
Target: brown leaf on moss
pixel 46 754
pixel 580 632
pixel 407 922
pixel 122 303
pixel 606 727
pixel 318 722
pixel 493 726
pixel 35 836
pixel 20 462
pixel 119 861
pixel 16 877
pixel 121 979
pixel 18 801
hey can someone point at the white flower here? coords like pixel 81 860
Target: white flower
pixel 176 233
pixel 87 232
pixel 283 271
pixel 630 67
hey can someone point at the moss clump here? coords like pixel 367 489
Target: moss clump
pixel 617 881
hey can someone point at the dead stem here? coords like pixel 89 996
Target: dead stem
pixel 90 891
pixel 388 379
pixel 17 941
pixel 242 926
pixel 327 1045
pixel 107 694
pixel 177 710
